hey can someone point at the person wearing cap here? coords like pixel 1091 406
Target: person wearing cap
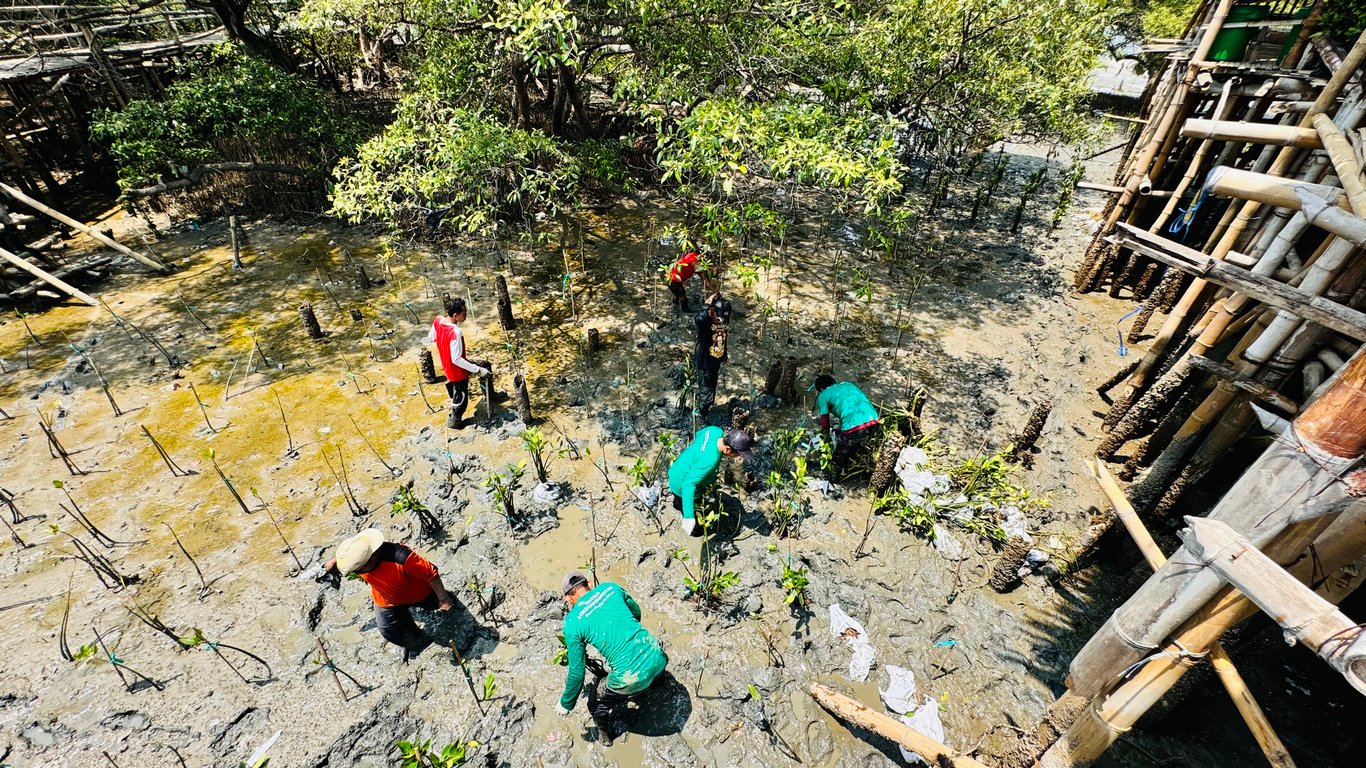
pixel 399 579
pixel 693 472
pixel 713 325
pixel 606 618
pixel 450 348
pixel 857 417
pixel 681 272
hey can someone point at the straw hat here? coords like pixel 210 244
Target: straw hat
pixel 356 551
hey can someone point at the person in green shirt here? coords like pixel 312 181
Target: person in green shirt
pixel 693 472
pixel 606 618
pixel 857 421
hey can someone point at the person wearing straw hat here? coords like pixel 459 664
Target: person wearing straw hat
pixel 606 618
pixel 693 472
pixel 399 579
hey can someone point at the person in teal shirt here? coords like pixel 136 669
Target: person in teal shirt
pixel 857 417
pixel 606 618
pixel 693 472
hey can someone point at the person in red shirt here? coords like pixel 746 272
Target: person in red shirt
pixel 450 348
pixel 400 580
pixel 681 272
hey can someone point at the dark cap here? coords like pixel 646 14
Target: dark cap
pixel 741 442
pixel 572 580
pixel 722 309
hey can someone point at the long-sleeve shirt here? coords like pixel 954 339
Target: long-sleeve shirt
pixel 848 403
pixel 609 620
pixel 457 345
pixel 695 468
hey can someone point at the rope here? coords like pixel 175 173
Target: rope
pixel 1182 223
pixel 1123 350
pixel 1179 656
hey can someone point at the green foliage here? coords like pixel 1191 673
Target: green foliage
pixel 415 754
pixel 438 156
pixel 789 502
pixel 795 581
pixel 561 657
pixel 229 108
pixel 406 502
pixel 1342 19
pixel 1157 19
pixel 490 686
pixel 641 473
pixel 504 485
pixel 533 440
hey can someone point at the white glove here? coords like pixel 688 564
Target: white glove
pixel 485 372
pixel 689 525
pixel 559 709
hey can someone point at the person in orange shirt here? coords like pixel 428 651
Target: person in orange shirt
pixel 399 578
pixel 681 272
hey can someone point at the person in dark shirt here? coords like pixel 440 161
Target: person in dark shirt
pixel 713 325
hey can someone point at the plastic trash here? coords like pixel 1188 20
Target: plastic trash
pixel 841 625
pixel 946 545
pixel 918 481
pixel 648 494
pixel 1036 557
pixel 1015 524
pixel 921 714
pixel 899 696
pixel 925 719
pixel 546 493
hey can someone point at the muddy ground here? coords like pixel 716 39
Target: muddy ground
pixel 986 324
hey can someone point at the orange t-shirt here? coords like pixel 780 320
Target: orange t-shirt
pixel 402 578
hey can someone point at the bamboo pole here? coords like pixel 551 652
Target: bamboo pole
pixel 1305 616
pixel 90 231
pixel 1255 133
pixel 1272 746
pixel 1297 472
pixel 854 711
pixel 1272 190
pixel 49 278
pixel 1344 161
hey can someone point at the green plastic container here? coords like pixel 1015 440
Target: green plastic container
pixel 1231 44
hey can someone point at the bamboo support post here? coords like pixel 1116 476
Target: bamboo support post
pixel 1296 473
pixel 1344 160
pixel 87 230
pixel 1233 682
pixel 49 278
pixel 854 712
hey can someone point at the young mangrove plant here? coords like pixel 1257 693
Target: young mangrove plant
pixel 78 515
pixel 343 479
pixel 213 459
pixel 404 502
pixel 533 440
pixel 490 687
pixel 415 754
pixel 795 581
pixel 98 652
pixel 324 661
pixel 104 569
pixel 203 585
pixel 275 523
pixel 504 486
pixel 709 583
pixel 789 504
pixel 176 470
pixel 196 639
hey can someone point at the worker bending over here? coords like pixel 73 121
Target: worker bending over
pixel 399 579
pixel 693 472
pixel 606 618
pixel 858 422
pixel 681 272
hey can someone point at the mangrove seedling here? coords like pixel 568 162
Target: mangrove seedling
pixel 324 661
pixel 365 439
pixel 209 454
pixel 795 581
pixel 79 516
pixel 98 652
pixel 104 569
pixel 789 504
pixel 343 479
pixel 490 687
pixel 561 657
pixel 413 754
pixel 404 502
pixel 176 470
pixel 276 525
pixel 203 585
pixel 196 639
pixel 533 440
pixel 504 485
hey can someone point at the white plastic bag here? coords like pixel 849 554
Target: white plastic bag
pixel 841 625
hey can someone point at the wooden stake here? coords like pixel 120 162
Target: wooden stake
pixel 854 712
pixel 233 240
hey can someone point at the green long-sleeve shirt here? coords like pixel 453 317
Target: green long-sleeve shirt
pixel 695 468
pixel 609 620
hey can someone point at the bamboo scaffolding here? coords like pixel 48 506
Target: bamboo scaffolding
pixel 87 230
pixel 1255 133
pixel 48 278
pixel 1297 473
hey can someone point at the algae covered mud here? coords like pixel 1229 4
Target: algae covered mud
pixel 206 433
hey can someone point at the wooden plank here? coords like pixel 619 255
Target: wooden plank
pixel 853 711
pixel 1255 388
pixel 1316 309
pixel 1303 614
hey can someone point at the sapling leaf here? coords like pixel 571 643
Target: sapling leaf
pixel 754 693
pixel 58 484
